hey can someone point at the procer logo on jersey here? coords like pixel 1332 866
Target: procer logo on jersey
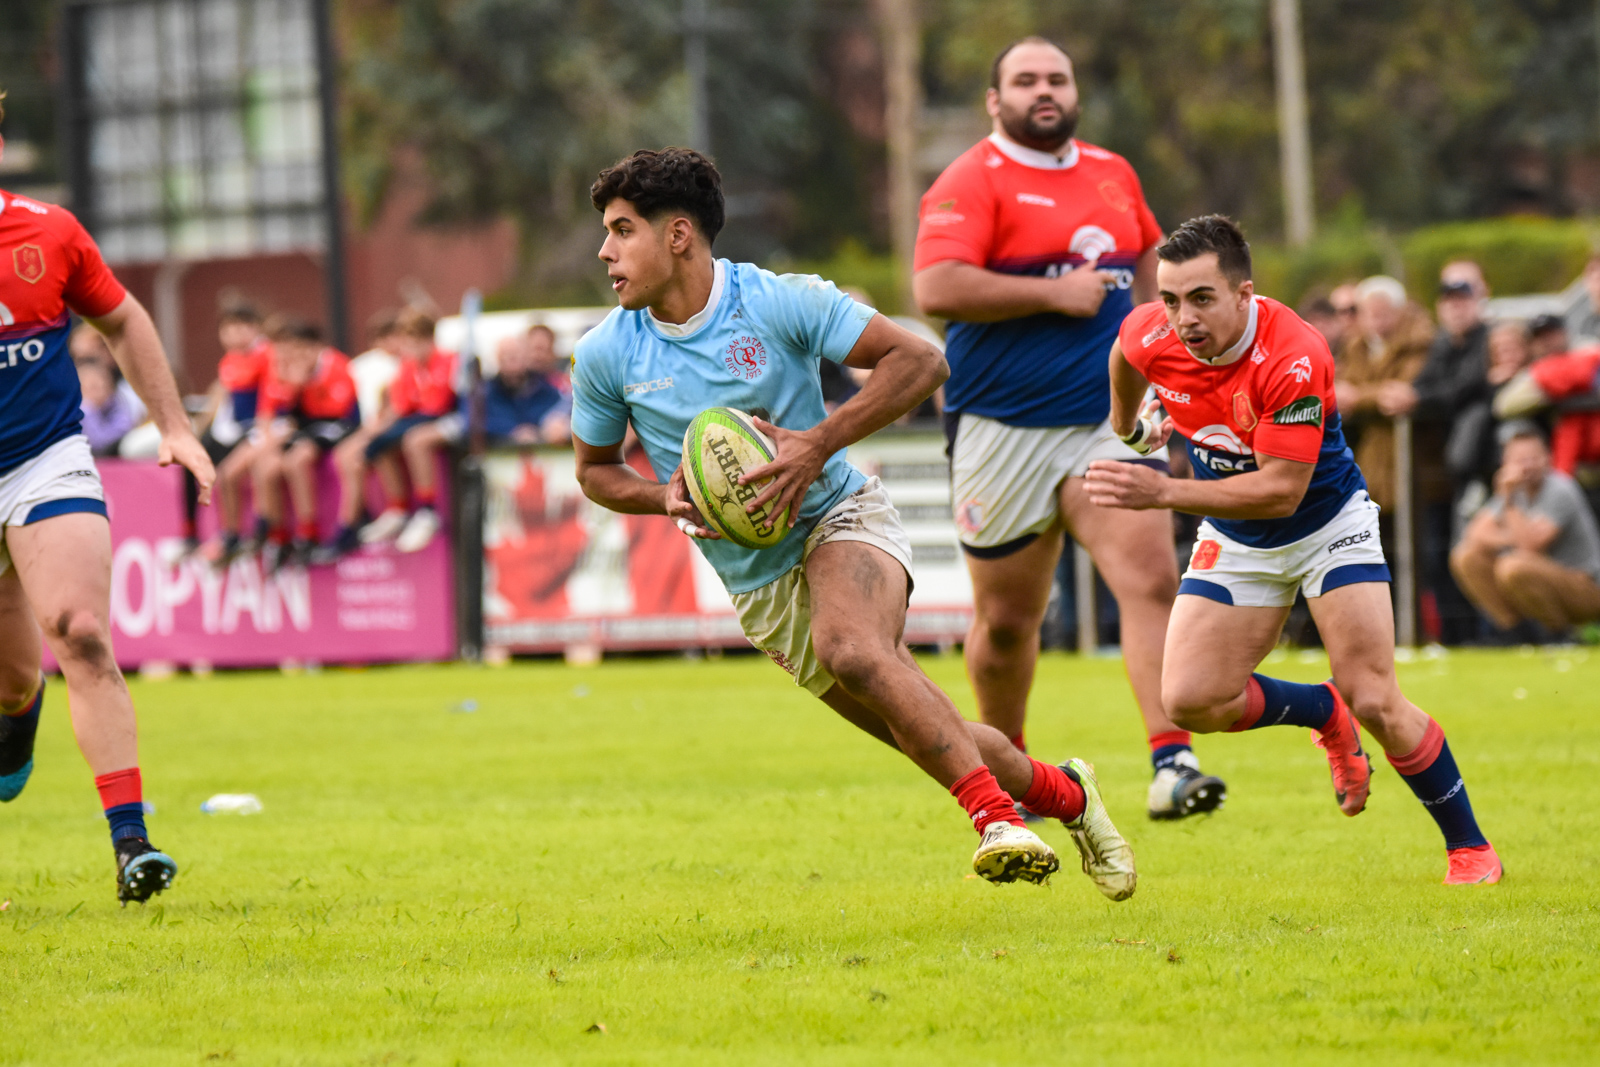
pixel 1172 395
pixel 1307 411
pixel 653 386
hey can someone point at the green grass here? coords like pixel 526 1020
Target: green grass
pixel 699 857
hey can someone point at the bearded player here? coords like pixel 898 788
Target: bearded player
pixel 827 602
pixel 1250 387
pixel 1035 245
pixel 55 556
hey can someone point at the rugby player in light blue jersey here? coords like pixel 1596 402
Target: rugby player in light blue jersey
pixel 828 602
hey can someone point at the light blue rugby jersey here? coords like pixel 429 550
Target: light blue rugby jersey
pixel 754 347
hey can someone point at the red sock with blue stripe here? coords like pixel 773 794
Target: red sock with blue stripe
pixel 984 800
pixel 122 797
pixel 1167 746
pixel 1271 702
pixel 1430 770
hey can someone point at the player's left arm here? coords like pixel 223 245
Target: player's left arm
pixel 1272 492
pixel 905 371
pixel 136 346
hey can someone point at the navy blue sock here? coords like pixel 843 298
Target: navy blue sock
pixel 1430 770
pixel 16 735
pixel 127 820
pixel 1165 748
pixel 1272 702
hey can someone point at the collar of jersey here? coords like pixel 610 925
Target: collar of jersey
pixel 1241 346
pixel 1032 157
pixel 691 325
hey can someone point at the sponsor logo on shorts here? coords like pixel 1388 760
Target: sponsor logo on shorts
pixel 79 474
pixel 1172 394
pixel 655 385
pixel 1205 555
pixel 1300 369
pixel 1351 541
pixel 29 261
pixel 781 660
pixel 969 516
pixel 1307 411
pixel 745 357
pixel 1035 198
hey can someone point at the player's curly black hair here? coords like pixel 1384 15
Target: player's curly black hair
pixel 1217 234
pixel 673 179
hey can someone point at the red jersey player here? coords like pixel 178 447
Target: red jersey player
pixel 1035 246
pixel 55 556
pixel 1250 387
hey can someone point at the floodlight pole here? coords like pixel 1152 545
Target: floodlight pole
pixel 696 23
pixel 333 252
pixel 1294 128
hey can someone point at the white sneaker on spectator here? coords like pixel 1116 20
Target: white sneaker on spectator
pixel 385 527
pixel 419 531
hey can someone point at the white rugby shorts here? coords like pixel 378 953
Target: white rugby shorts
pixel 1344 552
pixel 776 618
pixel 1005 481
pixel 58 481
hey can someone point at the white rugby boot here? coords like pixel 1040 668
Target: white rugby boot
pixel 1010 853
pixel 1179 791
pixel 386 527
pixel 1107 858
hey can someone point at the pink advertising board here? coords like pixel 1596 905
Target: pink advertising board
pixel 375 606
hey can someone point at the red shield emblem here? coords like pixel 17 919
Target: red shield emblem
pixel 1115 195
pixel 1243 414
pixel 29 261
pixel 1205 555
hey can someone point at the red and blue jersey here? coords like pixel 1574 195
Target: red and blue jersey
pixel 1271 394
pixel 49 267
pixel 1018 211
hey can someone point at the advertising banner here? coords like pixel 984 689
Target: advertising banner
pixel 561 572
pixel 375 606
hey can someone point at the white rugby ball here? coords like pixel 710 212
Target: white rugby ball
pixel 718 447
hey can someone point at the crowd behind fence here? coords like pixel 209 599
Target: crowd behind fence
pixel 1476 424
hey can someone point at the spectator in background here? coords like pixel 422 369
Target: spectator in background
pixel 1388 346
pixel 422 391
pixel 374 370
pixel 106 415
pixel 87 344
pixel 522 405
pixel 1547 336
pixel 1564 388
pixel 1586 327
pixel 1533 552
pixel 1318 310
pixel 230 410
pixel 308 404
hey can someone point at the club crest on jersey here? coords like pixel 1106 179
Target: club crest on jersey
pixel 745 357
pixel 1115 195
pixel 1307 411
pixel 29 261
pixel 1301 369
pixel 1243 413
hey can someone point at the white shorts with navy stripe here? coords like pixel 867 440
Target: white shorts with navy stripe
pixel 60 480
pixel 1344 552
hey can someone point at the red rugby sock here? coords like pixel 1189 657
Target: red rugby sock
pixel 424 498
pixel 1053 793
pixel 306 529
pixel 1020 743
pixel 1171 737
pixel 1255 702
pixel 984 800
pixel 120 787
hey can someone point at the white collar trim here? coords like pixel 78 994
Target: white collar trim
pixel 693 323
pixel 1241 346
pixel 1032 157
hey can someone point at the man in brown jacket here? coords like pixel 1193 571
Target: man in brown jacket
pixel 1388 345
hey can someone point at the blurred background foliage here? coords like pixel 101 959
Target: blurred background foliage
pixel 1439 127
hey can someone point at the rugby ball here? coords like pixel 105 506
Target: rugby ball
pixel 718 447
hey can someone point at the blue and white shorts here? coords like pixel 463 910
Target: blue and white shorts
pixel 60 480
pixel 1344 552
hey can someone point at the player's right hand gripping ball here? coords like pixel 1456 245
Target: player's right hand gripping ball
pixel 719 446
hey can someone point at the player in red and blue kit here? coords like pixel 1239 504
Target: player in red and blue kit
pixel 1035 245
pixel 55 555
pixel 1249 385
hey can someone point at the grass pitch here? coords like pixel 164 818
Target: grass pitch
pixel 694 862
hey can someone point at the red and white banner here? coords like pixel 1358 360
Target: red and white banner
pixel 560 571
pixel 375 606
